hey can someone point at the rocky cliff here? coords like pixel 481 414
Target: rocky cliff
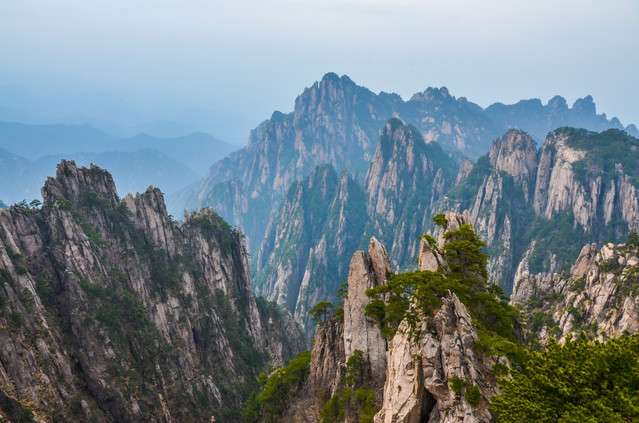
pixel 109 311
pixel 536 210
pixel 428 368
pixel 334 121
pixel 420 369
pixel 405 179
pixel 338 122
pixel 599 295
pixel 302 258
pixel 417 386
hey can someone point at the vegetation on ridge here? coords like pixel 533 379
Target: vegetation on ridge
pixel 276 389
pixel 408 295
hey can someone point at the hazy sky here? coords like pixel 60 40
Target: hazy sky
pixel 242 59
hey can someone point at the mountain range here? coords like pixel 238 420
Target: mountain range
pixel 393 164
pixel 112 310
pixel 338 122
pixel 27 152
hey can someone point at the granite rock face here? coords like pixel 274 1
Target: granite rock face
pixel 111 312
pixel 324 218
pixel 516 154
pixel 599 296
pixel 405 179
pixel 417 387
pixel 579 185
pixel 409 375
pixel 302 259
pixel 334 121
pixel 418 369
pixel 361 332
pixel 558 187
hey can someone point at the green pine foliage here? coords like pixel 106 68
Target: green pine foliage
pixel 355 369
pixel 358 402
pixel 354 398
pixel 322 311
pixel 466 276
pixel 277 388
pixel 579 381
pixel 602 153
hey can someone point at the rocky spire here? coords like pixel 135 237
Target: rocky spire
pixel 360 331
pixel 430 257
pixel 418 370
pixel 76 185
pixel 516 154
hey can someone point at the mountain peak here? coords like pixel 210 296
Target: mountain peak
pixel 431 93
pixel 558 103
pixel 80 184
pixel 333 77
pixel 516 154
pixel 585 105
pixel 330 76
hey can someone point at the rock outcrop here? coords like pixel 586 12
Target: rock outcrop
pixel 417 387
pixel 360 331
pixel 409 374
pixel 516 154
pixel 419 369
pixel 593 189
pixel 535 211
pixel 600 296
pixel 405 179
pixel 112 312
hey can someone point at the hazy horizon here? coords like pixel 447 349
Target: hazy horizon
pixel 225 67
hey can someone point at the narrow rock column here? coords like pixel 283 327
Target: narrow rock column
pixel 360 331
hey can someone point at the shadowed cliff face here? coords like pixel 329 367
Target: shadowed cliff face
pixel 405 179
pixel 301 260
pixel 112 312
pixel 323 218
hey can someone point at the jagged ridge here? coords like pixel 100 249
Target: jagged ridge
pixel 112 312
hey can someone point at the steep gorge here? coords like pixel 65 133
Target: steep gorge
pixel 303 258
